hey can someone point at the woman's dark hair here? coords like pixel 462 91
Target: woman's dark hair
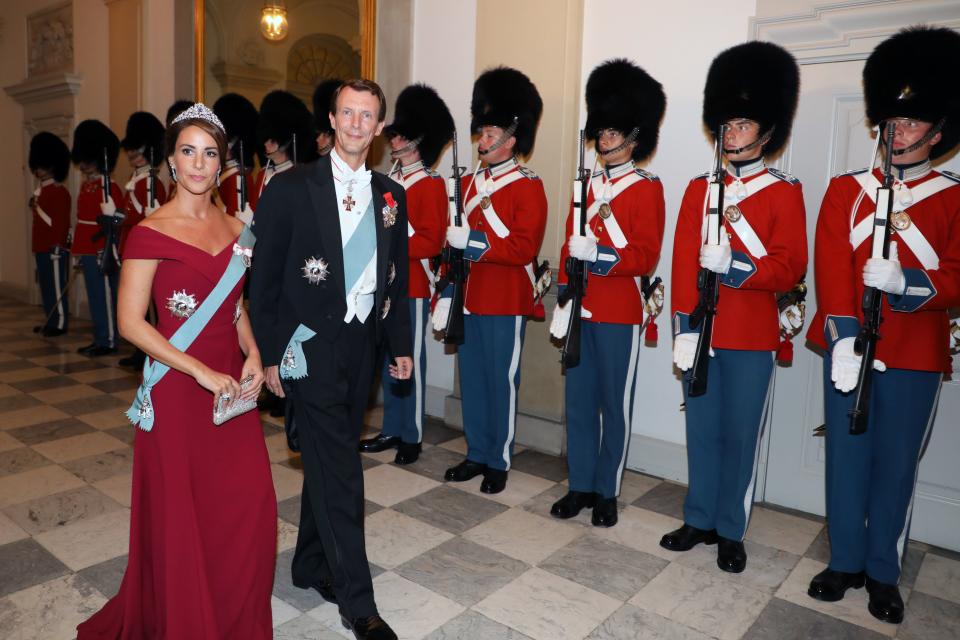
pixel 215 132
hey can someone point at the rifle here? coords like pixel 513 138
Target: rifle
pixel 108 261
pixel 241 180
pixel 293 152
pixel 151 182
pixel 457 270
pixel 708 282
pixel 576 269
pixel 865 344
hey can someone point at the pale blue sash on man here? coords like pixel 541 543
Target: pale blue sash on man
pixel 141 412
pixel 359 250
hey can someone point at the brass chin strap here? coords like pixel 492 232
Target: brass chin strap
pixel 630 139
pixel 405 149
pixel 762 140
pixel 509 131
pixel 934 130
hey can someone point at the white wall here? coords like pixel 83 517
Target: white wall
pixel 444 46
pixel 675 44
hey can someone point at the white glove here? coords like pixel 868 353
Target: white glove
pixel 583 248
pixel 791 320
pixel 440 314
pixel 845 368
pixel 108 208
pixel 885 274
pixel 717 257
pixel 457 236
pixel 954 334
pixel 684 350
pixel 560 321
pixel 245 216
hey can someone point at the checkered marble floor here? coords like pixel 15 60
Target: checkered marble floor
pixel 449 561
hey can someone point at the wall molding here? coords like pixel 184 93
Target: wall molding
pixel 841 31
pixel 45 87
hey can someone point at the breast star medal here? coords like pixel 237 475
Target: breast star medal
pixel 605 211
pixel 315 270
pixel 386 309
pixel 732 213
pixel 389 211
pixel 900 220
pixel 181 304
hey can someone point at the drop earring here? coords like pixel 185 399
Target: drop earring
pixel 218 177
pixel 173 172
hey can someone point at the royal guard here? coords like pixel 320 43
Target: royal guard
pixel 95 151
pixel 50 162
pixel 506 215
pixel 144 192
pixel 421 128
pixel 740 240
pixel 322 105
pixel 239 118
pixel 625 218
pixel 878 420
pixel 284 133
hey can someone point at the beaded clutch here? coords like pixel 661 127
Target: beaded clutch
pixel 222 412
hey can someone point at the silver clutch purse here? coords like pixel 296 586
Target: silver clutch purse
pixel 222 412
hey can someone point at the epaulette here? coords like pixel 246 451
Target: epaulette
pixel 527 172
pixel 852 172
pixel 646 175
pixel 951 175
pixel 783 175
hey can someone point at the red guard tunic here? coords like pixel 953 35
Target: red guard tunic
pixel 915 327
pixel 229 192
pixel 499 282
pixel 747 316
pixel 638 212
pixel 51 216
pixel 88 209
pixel 427 215
pixel 263 179
pixel 136 194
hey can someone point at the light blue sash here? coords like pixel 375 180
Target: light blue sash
pixel 359 250
pixel 293 365
pixel 141 412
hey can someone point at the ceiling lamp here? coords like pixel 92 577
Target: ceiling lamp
pixel 273 21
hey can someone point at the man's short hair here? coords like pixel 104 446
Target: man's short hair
pixel 362 84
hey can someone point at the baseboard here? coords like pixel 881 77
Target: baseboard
pixel 658 458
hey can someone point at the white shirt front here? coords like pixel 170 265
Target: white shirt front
pixel 356 185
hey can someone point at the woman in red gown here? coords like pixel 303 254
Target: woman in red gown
pixel 203 514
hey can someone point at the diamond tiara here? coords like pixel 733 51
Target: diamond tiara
pixel 200 111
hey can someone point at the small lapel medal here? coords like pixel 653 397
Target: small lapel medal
pixel 389 211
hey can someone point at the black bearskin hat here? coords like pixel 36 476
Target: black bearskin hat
pixel 421 113
pixel 283 114
pixel 503 95
pixel 90 138
pixel 906 77
pixel 144 131
pixel 622 96
pixel 755 80
pixel 322 105
pixel 48 151
pixel 176 109
pixel 239 118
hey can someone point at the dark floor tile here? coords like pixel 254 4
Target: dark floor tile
pixel 117 384
pixel 17 402
pixel 42 384
pixel 101 466
pixel 910 567
pixel 292 461
pixel 946 553
pixel 25 563
pixel 60 509
pixel 92 404
pixel 436 432
pixel 471 624
pixel 302 599
pixel 370 508
pixel 106 576
pixel 782 620
pixel 819 549
pixel 289 510
pixel 930 618
pixel 37 352
pixel 76 367
pixel 15 365
pixel 22 459
pixel 47 431
pixel 540 464
pixel 434 462
pixel 666 498
pixel 604 566
pixel 270 429
pixel 367 462
pixel 450 509
pixel 125 433
pixel 628 619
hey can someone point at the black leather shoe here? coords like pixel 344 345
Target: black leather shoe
pixel 325 589
pixel 379 443
pixel 605 513
pixel 90 347
pixel 372 628
pixel 687 537
pixel 494 481
pixel 731 556
pixel 98 351
pixel 885 601
pixel 407 453
pixel 830 585
pixel 52 332
pixel 571 504
pixel 464 471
